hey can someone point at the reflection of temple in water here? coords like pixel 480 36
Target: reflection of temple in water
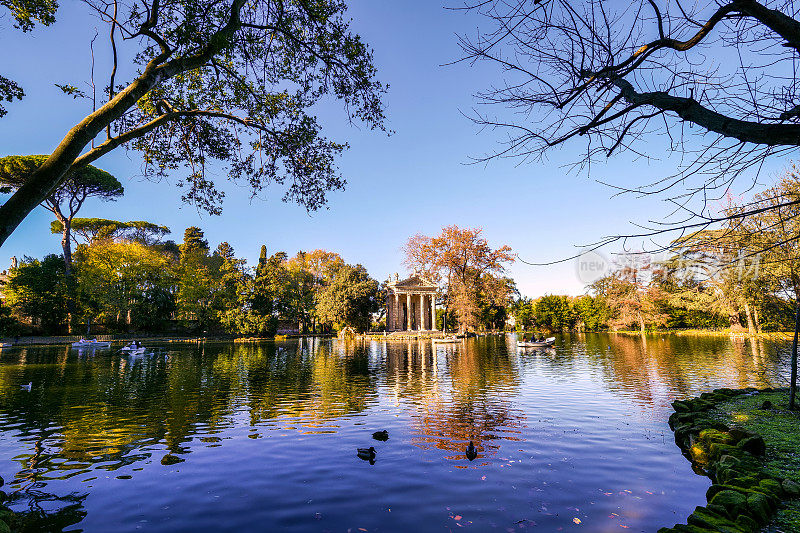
pixel 456 393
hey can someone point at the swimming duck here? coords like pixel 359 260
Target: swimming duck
pixel 472 452
pixel 26 387
pixel 367 454
pixel 381 435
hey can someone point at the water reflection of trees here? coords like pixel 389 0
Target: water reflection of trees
pixel 307 383
pixel 655 368
pixel 106 411
pixel 457 393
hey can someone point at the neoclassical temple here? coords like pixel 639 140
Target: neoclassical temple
pixel 411 304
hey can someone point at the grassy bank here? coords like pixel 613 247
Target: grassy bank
pixel 772 335
pixel 780 429
pixel 746 441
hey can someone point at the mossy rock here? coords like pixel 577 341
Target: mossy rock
pixel 728 461
pixel 699 453
pixel 714 435
pixel 746 523
pixel 700 405
pixel 726 475
pixel 712 397
pixel 682 419
pixel 691 528
pixel 4 528
pixel 719 509
pixel 717 449
pixel 733 501
pixel 681 406
pixel 754 445
pixel 703 517
pixel 739 433
pixel 771 486
pixel 745 482
pixel 790 488
pixel 759 508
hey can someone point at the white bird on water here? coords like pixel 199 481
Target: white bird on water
pixel 26 387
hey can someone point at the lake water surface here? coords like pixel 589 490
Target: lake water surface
pixel 571 439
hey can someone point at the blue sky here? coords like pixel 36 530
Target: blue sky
pixel 415 181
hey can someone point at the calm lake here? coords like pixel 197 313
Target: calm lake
pixel 574 438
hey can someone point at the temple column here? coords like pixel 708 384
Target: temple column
pixel 388 315
pixel 408 311
pixel 425 309
pixel 397 313
pixel 433 312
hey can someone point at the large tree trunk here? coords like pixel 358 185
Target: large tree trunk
pixel 758 321
pixel 66 246
pixel 750 328
pixel 49 176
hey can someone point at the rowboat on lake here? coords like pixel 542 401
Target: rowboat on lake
pixel 94 343
pixel 537 344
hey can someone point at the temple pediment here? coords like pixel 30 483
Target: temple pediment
pixel 416 282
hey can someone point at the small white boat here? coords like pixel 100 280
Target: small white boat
pixel 133 349
pixel 5 345
pixel 94 343
pixel 445 340
pixel 537 344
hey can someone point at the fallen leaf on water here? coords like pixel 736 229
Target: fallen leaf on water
pixel 626 527
pixel 576 520
pixel 483 478
pixel 361 529
pixel 457 517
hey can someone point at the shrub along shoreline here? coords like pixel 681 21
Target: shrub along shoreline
pixel 745 441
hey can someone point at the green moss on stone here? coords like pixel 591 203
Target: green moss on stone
pixel 708 519
pixel 716 436
pixel 746 523
pixel 733 501
pixel 759 508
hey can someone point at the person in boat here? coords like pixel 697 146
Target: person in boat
pixel 525 338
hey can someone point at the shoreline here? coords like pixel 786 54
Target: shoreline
pixel 740 440
pixel 65 340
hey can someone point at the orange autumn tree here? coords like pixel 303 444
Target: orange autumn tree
pixel 461 261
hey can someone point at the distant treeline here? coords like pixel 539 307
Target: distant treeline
pixel 121 280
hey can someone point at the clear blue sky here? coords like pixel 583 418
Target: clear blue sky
pixel 415 181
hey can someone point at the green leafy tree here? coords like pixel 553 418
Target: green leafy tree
pixel 196 280
pixel 91 229
pixel 349 299
pixel 126 285
pixel 65 200
pixel 219 84
pixel 591 313
pixel 40 291
pixel 554 313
